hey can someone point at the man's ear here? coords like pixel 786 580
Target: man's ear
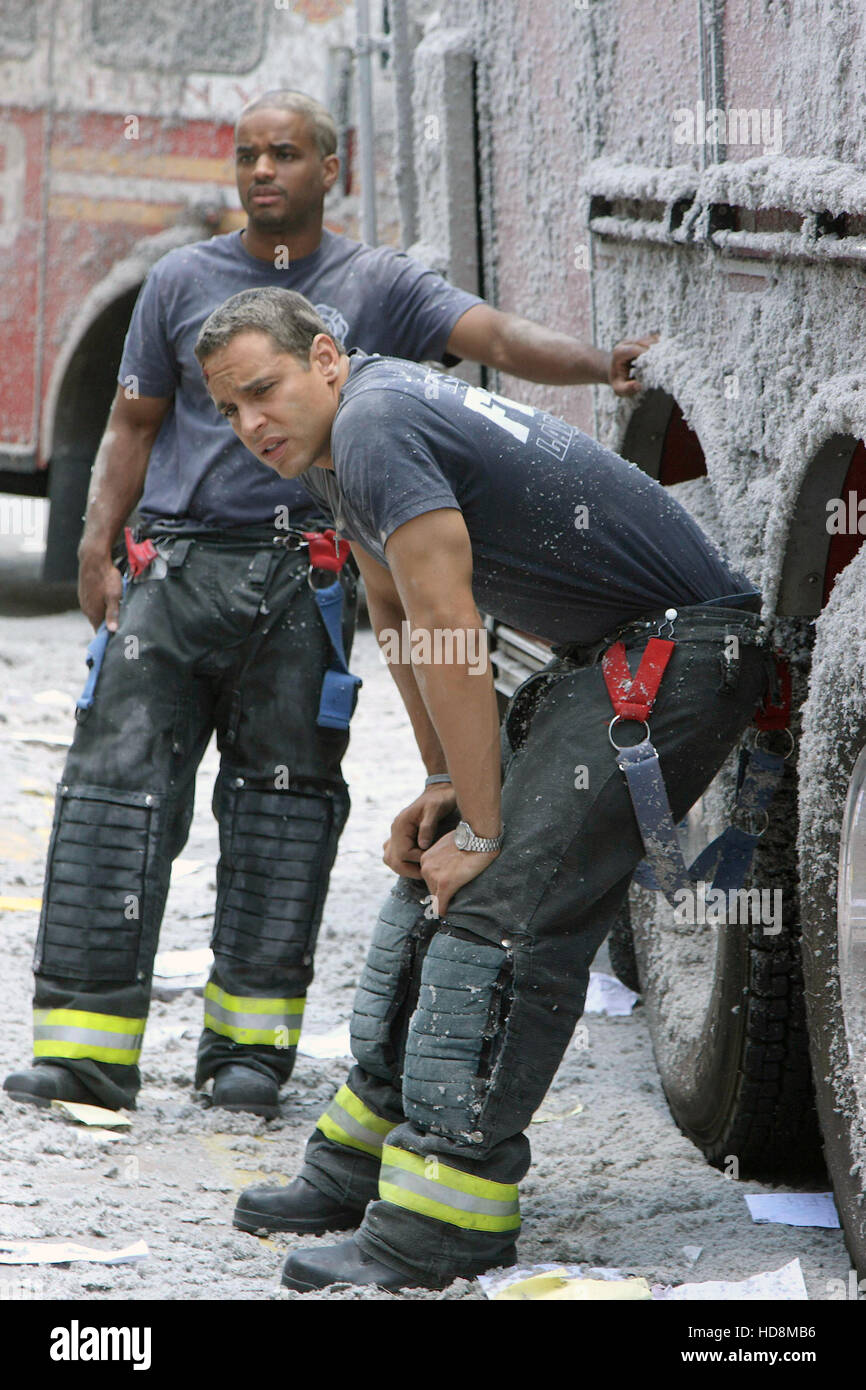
pixel 325 355
pixel 330 171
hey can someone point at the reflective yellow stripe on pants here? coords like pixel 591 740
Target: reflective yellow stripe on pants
pixel 432 1188
pixel 274 1022
pixel 348 1121
pixel 75 1033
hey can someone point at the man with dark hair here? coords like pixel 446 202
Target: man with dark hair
pixel 218 630
pixel 454 497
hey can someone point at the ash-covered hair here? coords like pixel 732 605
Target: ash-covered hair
pixel 319 119
pixel 286 316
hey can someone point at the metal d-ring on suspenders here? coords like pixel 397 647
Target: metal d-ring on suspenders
pixel 339 687
pixel 729 856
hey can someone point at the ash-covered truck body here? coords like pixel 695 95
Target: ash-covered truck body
pixel 696 170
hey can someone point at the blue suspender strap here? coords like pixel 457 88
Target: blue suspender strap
pixel 339 687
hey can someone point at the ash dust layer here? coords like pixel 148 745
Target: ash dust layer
pixel 615 1185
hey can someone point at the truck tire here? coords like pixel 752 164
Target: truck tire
pixel 68 481
pixel 620 950
pixel 725 1004
pixel 833 879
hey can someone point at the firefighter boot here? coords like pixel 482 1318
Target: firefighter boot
pixel 40 1085
pixel 299 1207
pixel 240 1087
pixel 346 1263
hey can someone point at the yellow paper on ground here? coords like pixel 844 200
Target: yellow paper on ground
pixel 560 1286
pixel 91 1114
pixel 20 904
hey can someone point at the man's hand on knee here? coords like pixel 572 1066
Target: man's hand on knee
pixel 445 868
pixel 414 829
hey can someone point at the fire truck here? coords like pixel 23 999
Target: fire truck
pixel 115 146
pixel 695 169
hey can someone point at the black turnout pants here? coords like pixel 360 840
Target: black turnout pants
pixel 460 1024
pixel 216 634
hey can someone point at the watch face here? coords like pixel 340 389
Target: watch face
pixel 461 835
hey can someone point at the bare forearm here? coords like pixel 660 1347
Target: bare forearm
pixel 461 703
pixel 116 485
pixel 536 353
pixel 388 623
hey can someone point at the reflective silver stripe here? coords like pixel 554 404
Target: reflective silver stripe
pixel 260 1022
pixel 353 1127
pixel 449 1196
pixel 93 1037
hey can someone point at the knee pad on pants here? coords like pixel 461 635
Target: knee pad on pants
pixel 385 988
pixel 277 848
pixel 456 1034
pixel 104 886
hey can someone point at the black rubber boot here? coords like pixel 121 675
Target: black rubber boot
pixel 346 1263
pixel 236 1087
pixel 299 1207
pixel 41 1085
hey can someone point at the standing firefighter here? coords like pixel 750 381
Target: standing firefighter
pixel 452 496
pixel 219 629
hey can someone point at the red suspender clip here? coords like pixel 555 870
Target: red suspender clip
pixel 633 698
pixel 140 554
pixel 326 552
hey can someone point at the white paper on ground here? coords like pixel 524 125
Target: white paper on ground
pixel 504 1278
pixel 607 995
pixel 794 1208
pixel 332 1044
pixel 692 1252
pixel 51 739
pixel 785 1284
pixel 182 868
pixel 61 1252
pixel 171 965
pixel 54 697
pixel 91 1114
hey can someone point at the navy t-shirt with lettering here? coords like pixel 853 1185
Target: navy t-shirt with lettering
pixel 374 298
pixel 568 539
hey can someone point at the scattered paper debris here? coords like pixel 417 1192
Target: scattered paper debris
pixel 175 971
pixel 692 1253
pixel 785 1284
pixel 183 868
pixel 47 738
pixel 20 904
pixel 59 698
pixel 561 1282
pixel 607 995
pixel 61 1252
pixel 92 1114
pixel 322 1045
pixel 794 1208
pixel 543 1117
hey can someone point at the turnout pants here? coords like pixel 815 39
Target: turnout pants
pixel 215 634
pixel 460 1024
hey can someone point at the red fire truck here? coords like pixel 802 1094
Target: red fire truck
pixel 115 145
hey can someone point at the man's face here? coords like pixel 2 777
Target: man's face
pixel 279 409
pixel 282 179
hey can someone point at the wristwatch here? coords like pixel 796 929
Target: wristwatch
pixel 465 838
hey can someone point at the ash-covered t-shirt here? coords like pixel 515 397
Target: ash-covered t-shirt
pixel 568 539
pixel 374 298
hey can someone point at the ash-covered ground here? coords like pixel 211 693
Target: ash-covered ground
pixel 615 1185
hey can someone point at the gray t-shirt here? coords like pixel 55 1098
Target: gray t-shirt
pixel 374 298
pixel 568 539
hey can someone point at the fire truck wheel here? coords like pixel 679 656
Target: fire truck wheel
pixel 68 481
pixel 725 1002
pixel 833 879
pixel 620 949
